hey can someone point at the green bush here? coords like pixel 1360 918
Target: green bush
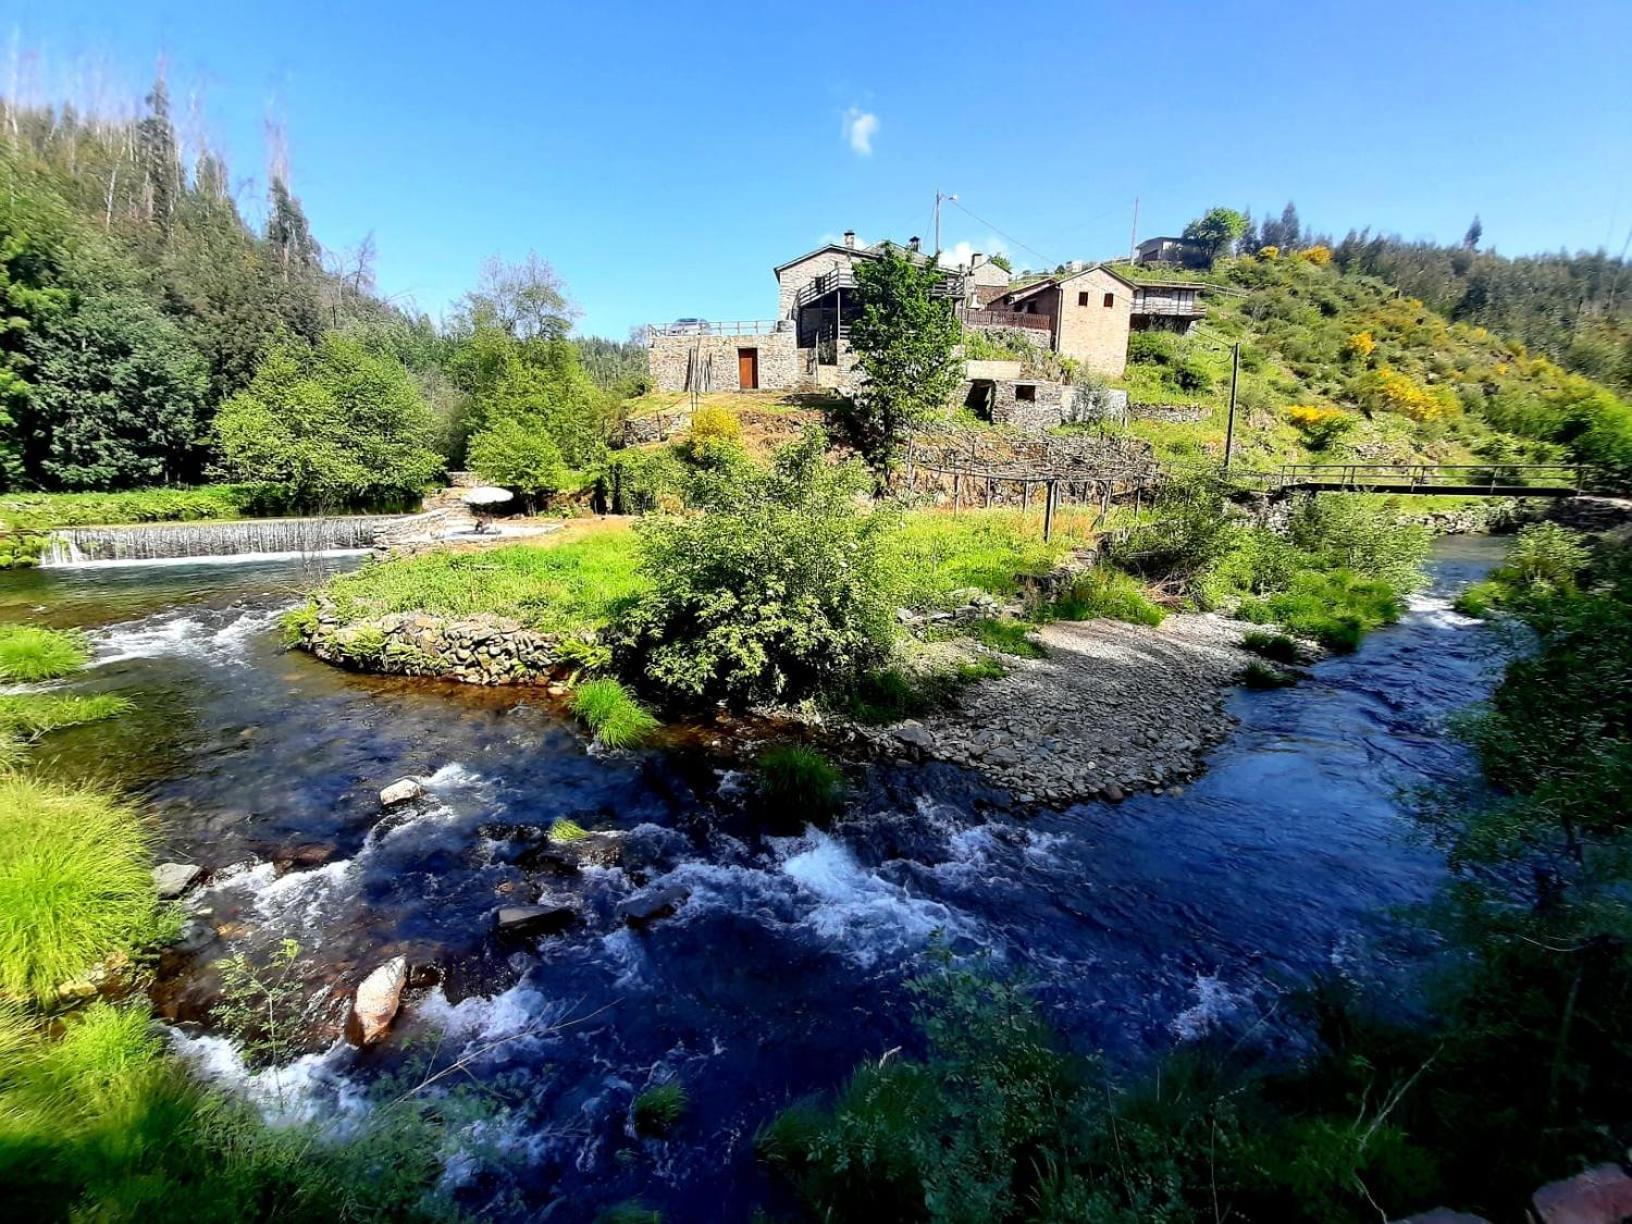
pixel 1261 675
pixel 799 781
pixel 1336 608
pixel 1106 593
pixel 659 1108
pixel 612 713
pixel 1479 600
pixel 1275 646
pixel 76 884
pixel 517 453
pixel 774 596
pixel 1547 556
pixel 29 653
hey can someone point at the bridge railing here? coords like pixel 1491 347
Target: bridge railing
pixel 1428 476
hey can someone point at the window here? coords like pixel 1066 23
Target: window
pixel 1110 299
pixel 1082 298
pixel 1026 393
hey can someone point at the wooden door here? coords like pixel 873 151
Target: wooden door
pixel 748 369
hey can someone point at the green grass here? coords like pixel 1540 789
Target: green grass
pixel 659 1108
pixel 1335 607
pixel 894 693
pixel 565 831
pixel 1260 675
pixel 799 781
pixel 31 714
pixel 76 884
pixel 937 553
pixel 630 1211
pixel 1275 646
pixel 45 511
pixel 612 713
pixel 571 589
pixel 1480 599
pixel 1104 593
pixel 29 653
pixel 1011 637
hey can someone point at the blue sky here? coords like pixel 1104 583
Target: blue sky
pixel 664 157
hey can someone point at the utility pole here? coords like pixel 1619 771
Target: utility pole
pixel 1133 236
pixel 939 196
pixel 1229 429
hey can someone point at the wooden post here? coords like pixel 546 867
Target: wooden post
pixel 1048 511
pixel 1229 429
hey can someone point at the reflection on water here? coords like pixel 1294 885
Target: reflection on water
pixel 1143 924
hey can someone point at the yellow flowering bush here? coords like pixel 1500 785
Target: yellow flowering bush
pixel 1269 252
pixel 1360 345
pixel 1391 391
pixel 1320 426
pixel 1320 256
pixel 712 423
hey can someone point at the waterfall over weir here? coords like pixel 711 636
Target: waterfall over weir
pixel 243 537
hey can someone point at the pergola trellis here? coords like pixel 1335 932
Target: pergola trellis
pixel 1085 469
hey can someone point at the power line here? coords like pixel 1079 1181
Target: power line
pixel 1046 261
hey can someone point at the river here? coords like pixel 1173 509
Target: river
pixel 1143 924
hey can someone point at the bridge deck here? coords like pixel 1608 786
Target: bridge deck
pixel 1427 490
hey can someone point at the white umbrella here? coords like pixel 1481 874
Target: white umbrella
pixel 486 495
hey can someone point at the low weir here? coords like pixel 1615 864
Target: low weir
pixel 240 537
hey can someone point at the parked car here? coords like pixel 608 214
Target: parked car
pixel 689 327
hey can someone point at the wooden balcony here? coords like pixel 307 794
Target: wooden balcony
pixel 948 285
pixel 1008 318
pixel 1185 306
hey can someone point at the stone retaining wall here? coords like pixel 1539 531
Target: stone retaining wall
pixel 1187 414
pixel 656 427
pixel 481 649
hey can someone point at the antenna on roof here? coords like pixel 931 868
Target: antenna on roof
pixel 939 196
pixel 1133 237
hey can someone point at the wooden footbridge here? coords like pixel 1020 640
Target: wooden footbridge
pixel 1429 479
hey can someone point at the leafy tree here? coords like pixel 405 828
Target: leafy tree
pixel 118 398
pixel 903 336
pixel 1284 234
pixel 782 590
pixel 1003 262
pixel 1476 231
pixel 545 383
pixel 525 300
pixel 31 256
pixel 517 453
pixel 335 425
pixel 1217 230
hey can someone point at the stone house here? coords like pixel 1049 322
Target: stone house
pixel 1167 250
pixel 1085 313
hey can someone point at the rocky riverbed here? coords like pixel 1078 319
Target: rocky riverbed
pixel 1114 708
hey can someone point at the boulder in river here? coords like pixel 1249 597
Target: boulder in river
pixel 173 879
pixel 652 904
pixel 534 919
pixel 376 1002
pixel 1602 1195
pixel 401 791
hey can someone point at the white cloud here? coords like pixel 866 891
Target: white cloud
pixel 859 129
pixel 962 252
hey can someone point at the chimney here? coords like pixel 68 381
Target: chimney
pixel 913 243
pixel 974 261
pixel 850 239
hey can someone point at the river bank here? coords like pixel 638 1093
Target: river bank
pixel 1144 924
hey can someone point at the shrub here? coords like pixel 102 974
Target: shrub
pixel 798 780
pixel 780 592
pixel 1388 390
pixel 1153 347
pixel 1190 531
pixel 1276 646
pixel 612 713
pixel 1320 427
pixel 893 693
pixel 1478 600
pixel 1319 255
pixel 713 424
pixel 1261 675
pixel 658 1108
pixel 1362 534
pixel 1546 556
pixel 1103 592
pixel 1335 607
pixel 29 653
pixel 1360 345
pixel 76 884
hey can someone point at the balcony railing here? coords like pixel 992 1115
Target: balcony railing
pixel 733 327
pixel 1166 304
pixel 1008 318
pixel 948 285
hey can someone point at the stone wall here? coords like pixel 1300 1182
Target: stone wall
pixel 1095 334
pixel 1038 415
pixel 1187 414
pixel 473 650
pixel 670 358
pixel 795 278
pixel 656 426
